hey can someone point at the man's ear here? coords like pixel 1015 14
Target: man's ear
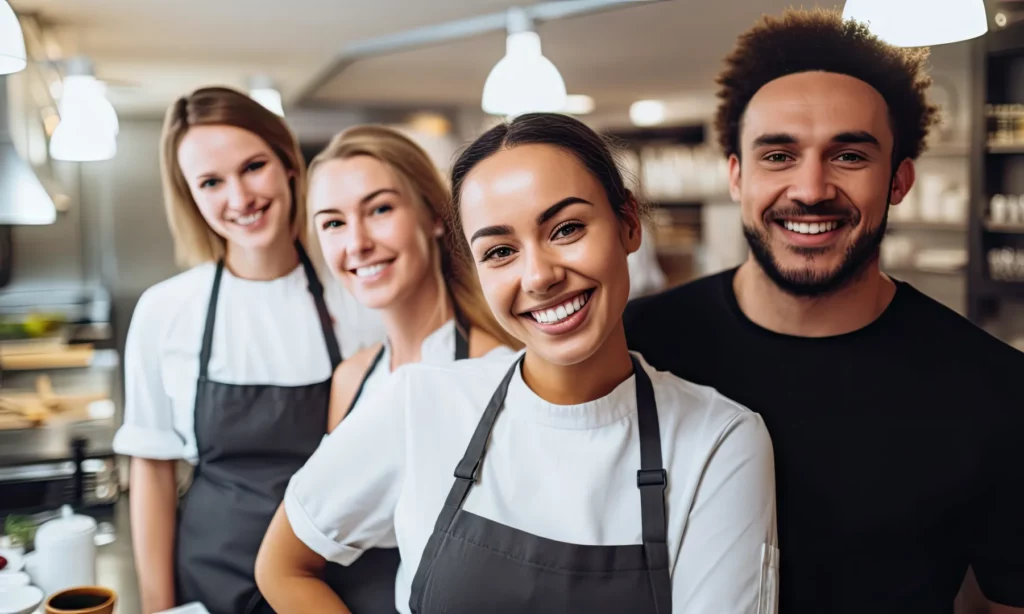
pixel 902 181
pixel 734 178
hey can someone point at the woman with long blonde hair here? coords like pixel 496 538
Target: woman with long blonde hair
pixel 376 205
pixel 229 364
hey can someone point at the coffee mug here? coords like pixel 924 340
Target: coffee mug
pixel 82 600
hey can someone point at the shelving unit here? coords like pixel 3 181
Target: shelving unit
pixel 996 167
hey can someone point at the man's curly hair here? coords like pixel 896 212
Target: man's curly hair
pixel 819 39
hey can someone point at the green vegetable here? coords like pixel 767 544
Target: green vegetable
pixel 20 529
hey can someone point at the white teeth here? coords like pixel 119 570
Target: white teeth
pixel 246 220
pixel 370 271
pixel 812 228
pixel 561 312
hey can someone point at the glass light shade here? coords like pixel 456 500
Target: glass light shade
pixel 269 98
pixel 88 126
pixel 12 42
pixel 920 23
pixel 523 81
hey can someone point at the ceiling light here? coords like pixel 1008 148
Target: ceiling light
pixel 523 81
pixel 578 104
pixel 88 127
pixel 262 90
pixel 647 112
pixel 12 42
pixel 920 23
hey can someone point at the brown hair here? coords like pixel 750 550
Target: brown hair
pixel 194 241
pixel 423 183
pixel 821 40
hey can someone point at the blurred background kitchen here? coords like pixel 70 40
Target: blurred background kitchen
pixel 82 224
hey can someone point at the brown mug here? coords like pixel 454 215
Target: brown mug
pixel 82 600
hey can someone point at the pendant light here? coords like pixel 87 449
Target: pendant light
pixel 524 80
pixel 12 42
pixel 262 90
pixel 88 126
pixel 920 23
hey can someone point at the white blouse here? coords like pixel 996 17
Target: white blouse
pixel 266 332
pixel 566 473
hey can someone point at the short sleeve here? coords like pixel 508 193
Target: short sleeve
pixel 997 523
pixel 342 501
pixel 148 427
pixel 729 557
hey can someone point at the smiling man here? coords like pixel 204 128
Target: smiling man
pixel 897 425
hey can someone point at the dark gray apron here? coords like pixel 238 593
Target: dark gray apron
pixel 472 565
pixel 250 440
pixel 368 585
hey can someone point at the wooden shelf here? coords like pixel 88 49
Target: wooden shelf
pixel 1011 149
pixel 922 225
pixel 1004 228
pixel 946 150
pixel 1003 289
pixel 912 270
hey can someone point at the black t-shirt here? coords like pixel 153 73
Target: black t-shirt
pixel 899 448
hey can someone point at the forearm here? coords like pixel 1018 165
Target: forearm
pixel 289 574
pixel 154 500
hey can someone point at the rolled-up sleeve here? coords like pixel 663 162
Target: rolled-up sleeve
pixel 342 501
pixel 148 427
pixel 729 558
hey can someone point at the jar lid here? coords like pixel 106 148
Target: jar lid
pixel 68 525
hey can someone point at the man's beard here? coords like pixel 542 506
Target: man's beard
pixel 808 282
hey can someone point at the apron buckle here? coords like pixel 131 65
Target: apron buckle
pixel 651 477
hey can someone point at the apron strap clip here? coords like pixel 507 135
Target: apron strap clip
pixel 651 477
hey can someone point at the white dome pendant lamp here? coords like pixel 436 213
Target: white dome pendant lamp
pixel 12 42
pixel 88 126
pixel 920 23
pixel 523 81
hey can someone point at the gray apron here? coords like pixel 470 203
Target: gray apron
pixel 472 565
pixel 250 440
pixel 368 585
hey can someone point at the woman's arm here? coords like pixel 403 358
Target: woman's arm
pixel 345 383
pixel 339 504
pixel 728 560
pixel 154 504
pixel 289 574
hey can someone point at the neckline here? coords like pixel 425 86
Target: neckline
pixel 437 347
pixel 235 279
pixel 729 295
pixel 522 402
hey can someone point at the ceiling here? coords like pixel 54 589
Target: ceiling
pixel 152 51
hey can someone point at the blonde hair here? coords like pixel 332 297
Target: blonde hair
pixel 423 183
pixel 194 241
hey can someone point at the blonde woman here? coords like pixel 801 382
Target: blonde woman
pixel 229 364
pixel 375 204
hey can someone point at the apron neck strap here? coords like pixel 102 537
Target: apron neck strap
pixel 461 335
pixel 651 478
pixel 315 288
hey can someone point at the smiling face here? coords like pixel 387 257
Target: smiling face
pixel 814 182
pixel 550 250
pixel 374 235
pixel 239 185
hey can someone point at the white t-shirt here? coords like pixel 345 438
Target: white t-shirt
pixel 266 332
pixel 437 348
pixel 566 473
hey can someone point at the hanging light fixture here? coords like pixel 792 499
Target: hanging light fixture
pixel 524 80
pixel 88 126
pixel 262 90
pixel 920 23
pixel 12 42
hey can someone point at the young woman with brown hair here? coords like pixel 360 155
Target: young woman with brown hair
pixel 570 477
pixel 375 206
pixel 228 365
